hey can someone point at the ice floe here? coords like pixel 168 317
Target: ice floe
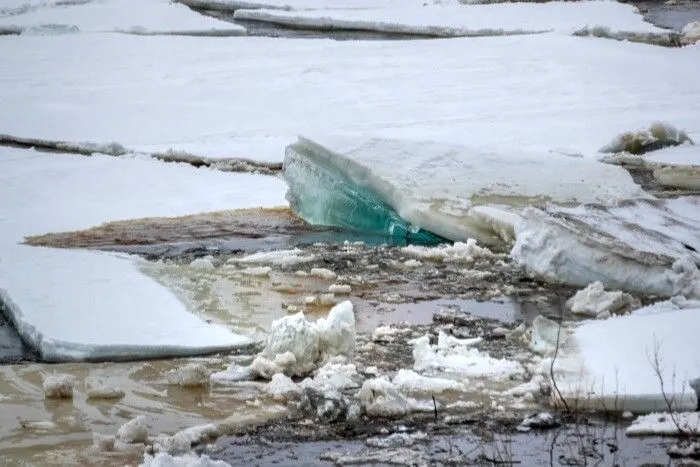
pixel 105 291
pixel 269 85
pixel 635 362
pixel 455 20
pixel 154 17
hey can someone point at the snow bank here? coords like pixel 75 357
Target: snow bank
pixel 461 359
pixel 296 346
pixel 643 245
pixel 595 302
pixel 367 169
pixel 665 424
pixel 58 386
pixel 103 290
pixel 608 365
pixel 154 17
pixel 454 20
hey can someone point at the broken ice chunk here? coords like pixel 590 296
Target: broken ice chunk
pixel 406 189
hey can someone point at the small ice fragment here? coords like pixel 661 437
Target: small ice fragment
pixel 545 334
pixel 594 301
pixel 690 34
pixel 341 289
pixel 103 443
pixel 192 374
pixel 282 388
pixel 323 273
pixel 380 398
pixel 260 271
pixel 96 389
pixel 133 431
pixel 163 459
pixel 412 263
pixel 205 263
pixel 58 386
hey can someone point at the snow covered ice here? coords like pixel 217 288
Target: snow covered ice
pixel 455 20
pixel 145 17
pixel 105 290
pixel 609 364
pixel 268 85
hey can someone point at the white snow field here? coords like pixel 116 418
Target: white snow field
pixel 250 97
pixel 144 17
pixel 76 305
pixel 608 364
pixel 454 20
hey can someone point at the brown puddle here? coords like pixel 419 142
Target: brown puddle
pixel 242 223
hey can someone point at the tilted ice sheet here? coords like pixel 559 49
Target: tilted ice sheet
pixel 434 186
pixel 455 20
pixel 649 246
pixel 250 97
pixel 133 16
pixel 73 304
pixel 608 365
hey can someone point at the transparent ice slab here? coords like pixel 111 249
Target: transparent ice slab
pixel 322 195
